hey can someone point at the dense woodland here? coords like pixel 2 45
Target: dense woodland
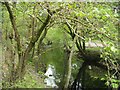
pixel 79 40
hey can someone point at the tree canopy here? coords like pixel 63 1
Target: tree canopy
pixel 85 34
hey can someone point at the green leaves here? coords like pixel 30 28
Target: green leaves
pixel 110 55
pixel 113 49
pixel 114 85
pixel 81 14
pixel 113 82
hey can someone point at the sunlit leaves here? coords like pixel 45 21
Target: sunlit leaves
pixel 110 56
pixel 89 20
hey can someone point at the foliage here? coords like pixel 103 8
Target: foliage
pixel 56 25
pixel 111 58
pixel 30 80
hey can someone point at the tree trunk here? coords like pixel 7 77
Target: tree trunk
pixel 22 64
pixel 23 56
pixel 13 22
pixel 66 57
pixel 39 51
pixel 68 72
pixel 12 64
pixel 33 30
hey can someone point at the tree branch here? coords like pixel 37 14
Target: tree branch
pixel 17 36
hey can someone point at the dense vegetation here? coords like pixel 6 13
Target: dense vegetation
pixel 79 39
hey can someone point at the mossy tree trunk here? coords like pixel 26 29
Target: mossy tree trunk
pixel 69 66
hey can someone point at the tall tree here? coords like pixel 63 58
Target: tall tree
pixel 23 56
